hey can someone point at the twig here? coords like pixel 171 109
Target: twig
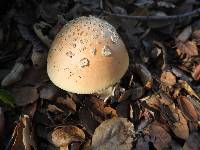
pixel 176 18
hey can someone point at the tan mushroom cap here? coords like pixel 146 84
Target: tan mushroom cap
pixel 87 56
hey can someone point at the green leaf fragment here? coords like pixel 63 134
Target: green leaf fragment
pixel 7 98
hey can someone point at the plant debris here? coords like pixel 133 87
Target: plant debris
pixel 156 104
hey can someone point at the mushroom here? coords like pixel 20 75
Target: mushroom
pixel 87 56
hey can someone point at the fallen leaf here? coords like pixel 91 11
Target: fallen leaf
pixel 54 109
pixel 25 95
pixel 123 109
pixel 99 108
pixel 196 36
pixel 144 75
pixel 160 138
pixel 88 120
pixel 189 48
pixel 63 136
pixel 184 35
pixel 39 59
pixel 196 72
pixel 22 137
pixel 188 109
pixel 48 91
pixel 188 88
pixel 68 102
pixel 15 75
pixel 180 128
pixel 7 98
pixel 168 78
pixel 112 134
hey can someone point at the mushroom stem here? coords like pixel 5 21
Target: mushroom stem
pixel 106 93
pixel 64 148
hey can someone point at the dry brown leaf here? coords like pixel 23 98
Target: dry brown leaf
pixel 196 36
pixel 112 134
pixel 184 35
pixel 99 108
pixel 189 48
pixel 25 95
pixel 144 75
pixel 159 136
pixel 153 101
pixel 196 72
pixel 68 102
pixel 180 128
pixel 22 137
pixel 54 109
pixel 188 109
pixel 63 136
pixel 168 78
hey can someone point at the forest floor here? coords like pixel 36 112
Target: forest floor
pixel 156 105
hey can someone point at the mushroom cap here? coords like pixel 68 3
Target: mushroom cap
pixel 87 56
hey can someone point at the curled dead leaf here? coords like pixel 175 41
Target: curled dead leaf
pixel 68 102
pixel 22 137
pixel 112 134
pixel 100 109
pixel 184 35
pixel 15 74
pixel 144 75
pixel 63 136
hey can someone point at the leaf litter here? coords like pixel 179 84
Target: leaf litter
pixel 156 105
